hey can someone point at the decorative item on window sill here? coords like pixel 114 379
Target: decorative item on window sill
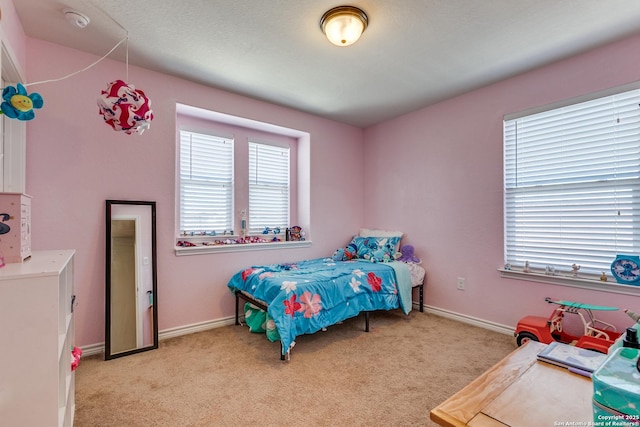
pixel 243 223
pixel 193 239
pixel 574 270
pixel 295 233
pixel 268 230
pixel 567 273
pixel 626 269
pixel 230 241
pixel 206 233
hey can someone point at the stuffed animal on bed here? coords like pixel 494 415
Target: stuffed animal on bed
pixel 339 255
pixel 407 252
pixel 345 254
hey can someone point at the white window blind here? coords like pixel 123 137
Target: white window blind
pixel 206 183
pixel 268 187
pixel 572 184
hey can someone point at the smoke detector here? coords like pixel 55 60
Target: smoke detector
pixel 75 18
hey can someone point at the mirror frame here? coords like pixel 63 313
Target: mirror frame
pixel 107 348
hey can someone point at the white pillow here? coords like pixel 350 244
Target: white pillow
pixel 368 232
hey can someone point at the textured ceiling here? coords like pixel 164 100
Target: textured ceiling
pixel 414 52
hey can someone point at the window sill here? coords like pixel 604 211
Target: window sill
pixel 594 284
pixel 239 247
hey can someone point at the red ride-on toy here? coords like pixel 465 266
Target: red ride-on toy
pixel 597 335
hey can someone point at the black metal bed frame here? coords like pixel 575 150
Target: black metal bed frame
pixel 263 306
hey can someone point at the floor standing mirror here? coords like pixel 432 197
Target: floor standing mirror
pixel 131 324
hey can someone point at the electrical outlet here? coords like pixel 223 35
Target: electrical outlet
pixel 461 283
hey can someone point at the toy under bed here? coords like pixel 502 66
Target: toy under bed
pixel 311 295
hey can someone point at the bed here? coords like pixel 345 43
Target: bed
pixel 291 299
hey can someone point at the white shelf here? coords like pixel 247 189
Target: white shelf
pixel 592 283
pixel 240 247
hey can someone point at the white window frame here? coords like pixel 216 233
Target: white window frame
pixel 528 235
pixel 269 187
pixel 242 130
pixel 206 187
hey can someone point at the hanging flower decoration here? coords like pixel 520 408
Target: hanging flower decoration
pixel 17 104
pixel 125 108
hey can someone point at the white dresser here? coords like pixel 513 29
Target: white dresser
pixel 37 336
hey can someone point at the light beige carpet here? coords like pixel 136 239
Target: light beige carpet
pixel 392 376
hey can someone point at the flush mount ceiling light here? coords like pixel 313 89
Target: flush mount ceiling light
pixel 75 18
pixel 343 25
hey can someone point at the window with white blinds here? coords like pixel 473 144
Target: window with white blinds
pixel 572 184
pixel 206 183
pixel 268 187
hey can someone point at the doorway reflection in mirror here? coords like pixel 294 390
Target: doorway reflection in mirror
pixel 131 312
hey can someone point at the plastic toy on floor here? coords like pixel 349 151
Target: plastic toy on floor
pixel 597 335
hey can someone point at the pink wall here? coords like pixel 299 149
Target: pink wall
pixel 443 170
pixel 75 162
pixel 426 173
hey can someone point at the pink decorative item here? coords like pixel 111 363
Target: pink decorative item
pixel 76 352
pixel 125 108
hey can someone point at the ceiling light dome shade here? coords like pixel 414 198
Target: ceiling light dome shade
pixel 343 25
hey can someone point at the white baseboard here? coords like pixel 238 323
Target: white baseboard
pixel 492 326
pixel 196 327
pixel 93 349
pixel 98 348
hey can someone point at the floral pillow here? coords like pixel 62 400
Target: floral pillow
pixel 368 232
pixel 375 249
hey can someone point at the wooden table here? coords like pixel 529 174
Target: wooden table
pixel 520 391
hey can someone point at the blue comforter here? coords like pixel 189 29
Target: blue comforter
pixel 307 296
